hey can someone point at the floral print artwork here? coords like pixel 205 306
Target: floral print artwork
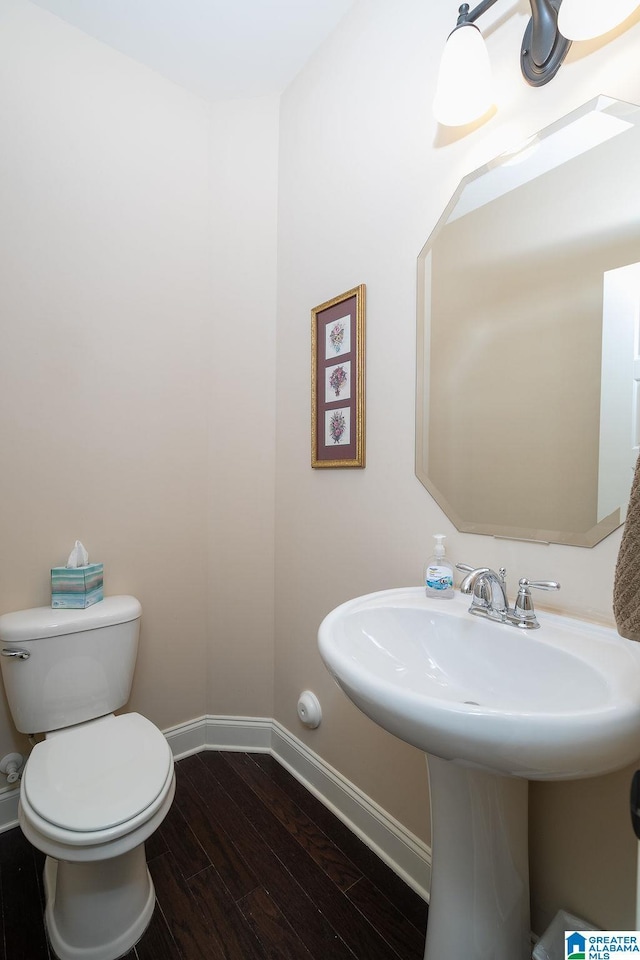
pixel 338 382
pixel 337 426
pixel 338 337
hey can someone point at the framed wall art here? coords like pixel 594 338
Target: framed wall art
pixel 337 381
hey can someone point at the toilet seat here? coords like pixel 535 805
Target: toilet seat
pixel 98 781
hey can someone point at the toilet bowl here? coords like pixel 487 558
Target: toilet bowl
pixel 90 796
pixel 99 784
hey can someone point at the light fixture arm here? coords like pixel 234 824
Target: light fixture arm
pixel 543 47
pixel 544 32
pixel 465 15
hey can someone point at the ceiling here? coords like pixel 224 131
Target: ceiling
pixel 218 49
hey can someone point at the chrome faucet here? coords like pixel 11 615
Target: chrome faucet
pixel 489 591
pixel 489 596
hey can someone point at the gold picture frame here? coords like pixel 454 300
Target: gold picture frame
pixel 338 381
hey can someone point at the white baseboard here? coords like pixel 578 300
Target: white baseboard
pixel 403 852
pixel 250 734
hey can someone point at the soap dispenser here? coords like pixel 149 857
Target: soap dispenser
pixel 438 577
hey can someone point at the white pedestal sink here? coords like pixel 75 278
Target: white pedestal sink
pixel 492 706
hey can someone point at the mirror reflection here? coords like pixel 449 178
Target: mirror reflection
pixel 528 314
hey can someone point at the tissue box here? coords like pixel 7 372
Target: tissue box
pixel 76 587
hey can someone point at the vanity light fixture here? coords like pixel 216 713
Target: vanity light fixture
pixel 463 91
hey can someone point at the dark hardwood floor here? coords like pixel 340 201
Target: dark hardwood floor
pixel 248 865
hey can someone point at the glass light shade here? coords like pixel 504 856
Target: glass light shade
pixel 585 19
pixel 463 93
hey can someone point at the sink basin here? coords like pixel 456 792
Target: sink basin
pixel 492 706
pixel 560 702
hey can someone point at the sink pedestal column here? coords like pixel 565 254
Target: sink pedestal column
pixel 479 907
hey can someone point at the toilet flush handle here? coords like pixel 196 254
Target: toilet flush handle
pixel 20 654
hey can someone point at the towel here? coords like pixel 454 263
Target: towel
pixel 626 585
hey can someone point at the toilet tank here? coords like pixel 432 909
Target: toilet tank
pixel 79 663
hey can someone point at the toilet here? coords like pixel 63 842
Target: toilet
pixel 99 784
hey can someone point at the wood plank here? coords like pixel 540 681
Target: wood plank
pixel 206 815
pixel 183 915
pixel 351 927
pixel 157 942
pixel 24 934
pixel 399 932
pixel 313 928
pixel 406 900
pixel 326 854
pixel 272 928
pixel 219 803
pixel 178 836
pixel 224 920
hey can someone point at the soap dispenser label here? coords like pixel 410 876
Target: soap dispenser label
pixel 439 578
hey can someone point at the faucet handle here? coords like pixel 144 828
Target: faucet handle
pixel 540 584
pixel 523 611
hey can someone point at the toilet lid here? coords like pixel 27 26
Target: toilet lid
pixel 98 775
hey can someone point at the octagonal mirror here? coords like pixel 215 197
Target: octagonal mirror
pixel 528 333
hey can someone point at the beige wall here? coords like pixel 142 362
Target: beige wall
pixel 364 176
pixel 136 362
pixel 241 401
